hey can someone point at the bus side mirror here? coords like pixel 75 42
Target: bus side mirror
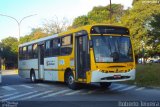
pixel 90 44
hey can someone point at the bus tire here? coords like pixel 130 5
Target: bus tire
pixel 33 76
pixel 70 81
pixel 105 84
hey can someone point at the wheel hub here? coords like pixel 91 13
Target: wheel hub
pixel 70 80
pixel 33 78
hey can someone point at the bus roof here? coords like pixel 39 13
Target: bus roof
pixel 38 40
pixel 87 28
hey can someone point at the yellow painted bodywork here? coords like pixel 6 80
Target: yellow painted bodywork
pixel 104 67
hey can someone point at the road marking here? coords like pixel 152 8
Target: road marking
pixel 18 96
pixel 74 92
pixel 140 88
pixel 127 88
pixel 115 88
pixel 56 93
pixel 8 88
pixel 43 85
pixel 8 95
pixel 89 92
pixel 36 95
pixel 26 86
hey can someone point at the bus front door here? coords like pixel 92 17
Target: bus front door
pixel 82 56
pixel 41 61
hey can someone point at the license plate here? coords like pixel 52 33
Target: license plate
pixel 117 76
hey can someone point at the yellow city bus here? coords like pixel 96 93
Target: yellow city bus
pixel 89 54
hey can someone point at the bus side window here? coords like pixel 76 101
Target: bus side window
pixel 66 47
pixel 55 47
pixel 29 51
pixel 35 51
pixel 20 53
pixel 47 48
pixel 25 52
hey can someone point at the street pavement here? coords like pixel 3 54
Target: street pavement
pixel 14 88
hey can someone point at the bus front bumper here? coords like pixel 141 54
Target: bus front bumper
pixel 98 76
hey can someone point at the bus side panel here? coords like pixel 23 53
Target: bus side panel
pixel 93 66
pixel 61 76
pixel 63 64
pixel 51 68
pixel 24 67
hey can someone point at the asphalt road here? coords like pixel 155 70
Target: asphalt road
pixel 24 93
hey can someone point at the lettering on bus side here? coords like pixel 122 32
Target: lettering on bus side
pixel 50 63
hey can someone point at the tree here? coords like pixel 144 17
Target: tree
pixel 80 21
pixel 10 42
pixel 154 31
pixel 55 25
pixel 26 38
pixel 100 14
pixel 35 34
pixel 38 33
pixel 10 51
pixel 137 20
pixel 49 27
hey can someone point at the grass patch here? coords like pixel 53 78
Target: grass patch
pixel 147 75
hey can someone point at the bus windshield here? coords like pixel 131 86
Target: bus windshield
pixel 112 49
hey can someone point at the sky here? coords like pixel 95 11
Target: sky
pixel 44 10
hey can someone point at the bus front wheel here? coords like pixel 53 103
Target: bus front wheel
pixel 70 81
pixel 105 84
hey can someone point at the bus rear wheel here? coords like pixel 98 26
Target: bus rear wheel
pixel 70 81
pixel 105 84
pixel 33 77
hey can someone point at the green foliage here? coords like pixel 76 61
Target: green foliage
pixel 35 34
pixel 100 14
pixel 10 50
pixel 138 21
pixel 154 32
pixel 10 43
pixel 38 33
pixel 142 20
pixel 134 1
pixel 26 38
pixel 80 21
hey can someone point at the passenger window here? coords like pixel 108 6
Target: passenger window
pixel 66 40
pixel 25 52
pixel 47 48
pixel 55 50
pixel 35 51
pixel 30 51
pixel 66 47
